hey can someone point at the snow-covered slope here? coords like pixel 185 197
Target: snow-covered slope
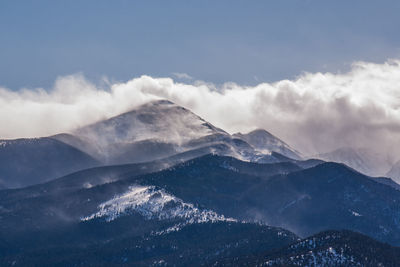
pixel 265 142
pixel 153 203
pixel 158 120
pixel 160 129
pixel 151 131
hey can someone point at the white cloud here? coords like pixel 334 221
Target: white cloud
pixel 314 113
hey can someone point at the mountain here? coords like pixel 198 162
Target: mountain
pixel 327 196
pixel 266 143
pixel 304 201
pixel 160 120
pixel 329 248
pixel 107 211
pixel 195 244
pixel 168 211
pixel 153 131
pixel 65 199
pixel 157 130
pixel 362 160
pixel 217 244
pixel 35 160
pixel 158 185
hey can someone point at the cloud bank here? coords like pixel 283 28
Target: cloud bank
pixel 316 112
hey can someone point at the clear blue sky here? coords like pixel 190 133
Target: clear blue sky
pixel 215 41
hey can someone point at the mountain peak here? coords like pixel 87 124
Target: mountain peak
pixel 266 142
pixel 260 131
pixel 156 120
pixel 151 106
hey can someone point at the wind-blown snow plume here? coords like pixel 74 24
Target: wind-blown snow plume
pixel 314 113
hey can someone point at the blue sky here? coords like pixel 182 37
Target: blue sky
pixel 216 41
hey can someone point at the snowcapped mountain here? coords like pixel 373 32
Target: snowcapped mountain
pixel 161 129
pixel 265 142
pixel 362 160
pixel 163 186
pixel 153 131
pixel 161 121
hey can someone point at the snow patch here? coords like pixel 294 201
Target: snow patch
pixel 355 213
pixel 87 185
pixel 153 203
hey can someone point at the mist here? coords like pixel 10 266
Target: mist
pixel 314 113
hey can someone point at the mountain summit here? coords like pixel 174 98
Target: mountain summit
pixel 161 129
pixel 155 130
pixel 158 120
pixel 265 142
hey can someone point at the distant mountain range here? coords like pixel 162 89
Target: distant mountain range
pixel 160 186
